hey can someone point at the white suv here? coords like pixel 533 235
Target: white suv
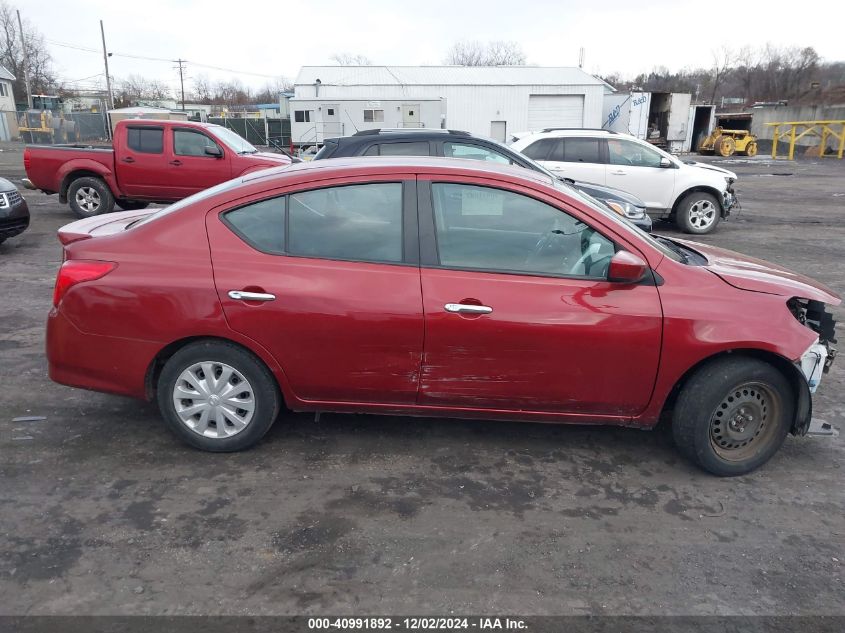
pixel 695 195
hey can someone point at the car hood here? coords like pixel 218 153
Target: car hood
pixel 270 157
pixel 757 275
pixel 709 167
pixel 603 192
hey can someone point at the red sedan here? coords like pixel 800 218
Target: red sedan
pixel 433 287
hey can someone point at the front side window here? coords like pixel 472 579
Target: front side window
pixel 357 222
pixel 496 230
pixel 473 152
pixel 540 150
pixel 260 224
pixel 145 140
pixel 621 152
pixel 190 143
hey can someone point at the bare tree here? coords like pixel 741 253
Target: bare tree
pixel 473 53
pixel 722 60
pixel 350 59
pixel 136 88
pixel 13 52
pixel 202 90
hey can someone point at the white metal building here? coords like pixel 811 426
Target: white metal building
pixel 490 101
pixel 8 125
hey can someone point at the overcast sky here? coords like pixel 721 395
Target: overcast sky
pixel 274 38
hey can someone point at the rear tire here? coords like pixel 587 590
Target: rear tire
pixel 131 205
pixel 217 396
pixel 89 196
pixel 733 415
pixel 751 149
pixel 698 213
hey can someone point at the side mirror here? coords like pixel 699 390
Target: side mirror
pixel 625 267
pixel 665 162
pixel 213 150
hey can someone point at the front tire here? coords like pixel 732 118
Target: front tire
pixel 698 213
pixel 217 397
pixel 90 196
pixel 733 415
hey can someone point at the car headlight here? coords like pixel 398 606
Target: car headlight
pixel 626 209
pixel 4 201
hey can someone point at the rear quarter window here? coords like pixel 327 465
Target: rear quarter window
pixel 260 224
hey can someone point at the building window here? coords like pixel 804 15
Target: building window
pixel 330 111
pixel 3 92
pixel 373 116
pixel 302 116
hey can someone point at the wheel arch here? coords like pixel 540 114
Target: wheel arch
pixel 706 189
pixel 803 399
pixel 81 172
pixel 160 359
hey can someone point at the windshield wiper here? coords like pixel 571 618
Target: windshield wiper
pixel 674 248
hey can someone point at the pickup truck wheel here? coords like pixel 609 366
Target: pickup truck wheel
pixel 89 197
pixel 698 213
pixel 733 415
pixel 130 205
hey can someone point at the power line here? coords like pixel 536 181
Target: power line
pixel 162 59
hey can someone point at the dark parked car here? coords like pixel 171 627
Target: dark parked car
pixel 14 213
pixel 456 144
pixel 433 287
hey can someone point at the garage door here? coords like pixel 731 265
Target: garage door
pixel 555 111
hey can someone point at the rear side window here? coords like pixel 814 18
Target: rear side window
pixel 261 224
pixel 145 140
pixel 581 150
pixel 473 152
pixel 415 148
pixel 355 222
pixel 539 150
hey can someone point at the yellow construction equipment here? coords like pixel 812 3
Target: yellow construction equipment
pixel 728 142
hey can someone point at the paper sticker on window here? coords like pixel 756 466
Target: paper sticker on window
pixel 481 201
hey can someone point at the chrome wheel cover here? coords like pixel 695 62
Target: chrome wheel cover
pixel 702 214
pixel 88 199
pixel 213 399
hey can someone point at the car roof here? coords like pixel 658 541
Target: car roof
pixel 359 165
pixel 366 137
pixel 178 122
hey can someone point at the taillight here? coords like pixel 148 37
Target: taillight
pixel 75 271
pixel 26 159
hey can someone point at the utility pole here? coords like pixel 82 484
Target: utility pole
pixel 25 69
pixel 106 62
pixel 181 68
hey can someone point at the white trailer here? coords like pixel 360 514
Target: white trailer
pixel 658 117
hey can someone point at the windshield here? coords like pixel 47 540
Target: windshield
pixel 236 143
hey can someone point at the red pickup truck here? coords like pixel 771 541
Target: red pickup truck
pixel 149 161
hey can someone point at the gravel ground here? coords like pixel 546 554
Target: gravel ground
pixel 102 511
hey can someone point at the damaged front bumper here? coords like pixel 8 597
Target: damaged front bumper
pixel 812 365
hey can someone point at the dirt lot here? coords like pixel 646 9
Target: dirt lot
pixel 103 511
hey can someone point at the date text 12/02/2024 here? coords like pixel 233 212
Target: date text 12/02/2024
pixel 417 623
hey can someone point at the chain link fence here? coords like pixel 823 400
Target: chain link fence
pixel 273 132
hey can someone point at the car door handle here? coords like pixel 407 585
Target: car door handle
pixel 176 162
pixel 618 172
pixel 128 159
pixel 243 295
pixel 467 308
